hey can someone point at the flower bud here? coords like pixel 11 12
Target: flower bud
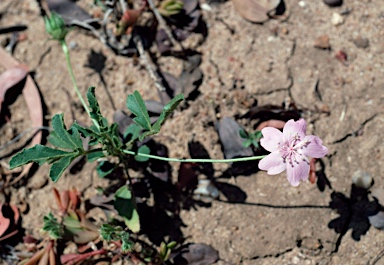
pixel 170 7
pixel 55 27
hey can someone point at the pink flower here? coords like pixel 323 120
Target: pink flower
pixel 290 150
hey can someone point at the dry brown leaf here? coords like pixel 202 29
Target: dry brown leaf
pixel 4 222
pixel 9 78
pixel 255 10
pixel 33 100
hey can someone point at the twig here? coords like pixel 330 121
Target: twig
pixel 148 65
pixel 124 5
pixel 86 25
pixel 20 135
pixel 163 24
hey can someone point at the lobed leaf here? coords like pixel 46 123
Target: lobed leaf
pixel 136 105
pixel 167 110
pixel 109 232
pixel 95 109
pixel 39 154
pixel 62 138
pixel 85 131
pixel 58 167
pixel 126 243
pixel 52 226
pixel 114 233
pixel 132 132
pixel 91 157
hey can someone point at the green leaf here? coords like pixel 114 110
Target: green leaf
pixel 114 233
pixel 132 132
pixel 55 140
pixel 91 157
pixel 136 105
pixel 247 143
pixel 108 232
pixel 255 143
pixel 39 154
pixel 85 131
pixel 145 134
pixel 144 150
pixel 126 207
pixel 95 109
pixel 167 110
pixel 70 222
pixel 60 166
pixel 52 226
pixel 104 168
pixel 258 135
pixel 65 139
pixel 171 245
pixel 243 134
pixel 127 244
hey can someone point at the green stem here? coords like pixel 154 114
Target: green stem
pixel 66 52
pixel 169 159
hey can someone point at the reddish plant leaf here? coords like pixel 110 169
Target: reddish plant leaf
pixel 76 258
pixel 16 214
pixel 255 10
pixel 4 222
pixel 271 123
pixel 187 178
pixel 312 171
pixel 74 198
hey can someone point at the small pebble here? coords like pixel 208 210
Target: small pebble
pixel 337 19
pixel 362 179
pixel 284 31
pixel 205 190
pixel 302 4
pixel 322 42
pixel 377 220
pixel 72 45
pixel 206 7
pixel 271 38
pixel 333 2
pixel 361 42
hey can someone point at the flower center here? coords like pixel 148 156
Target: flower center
pixel 291 150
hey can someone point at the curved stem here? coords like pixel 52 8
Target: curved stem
pixel 66 52
pixel 198 160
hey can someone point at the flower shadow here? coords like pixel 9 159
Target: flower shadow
pixel 354 212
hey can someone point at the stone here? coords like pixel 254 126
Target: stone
pixel 337 19
pixel 333 2
pixel 322 42
pixel 361 42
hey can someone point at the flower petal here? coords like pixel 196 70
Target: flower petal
pixel 297 172
pixel 292 128
pixel 273 163
pixel 271 138
pixel 315 148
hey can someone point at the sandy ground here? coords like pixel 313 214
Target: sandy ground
pixel 243 63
